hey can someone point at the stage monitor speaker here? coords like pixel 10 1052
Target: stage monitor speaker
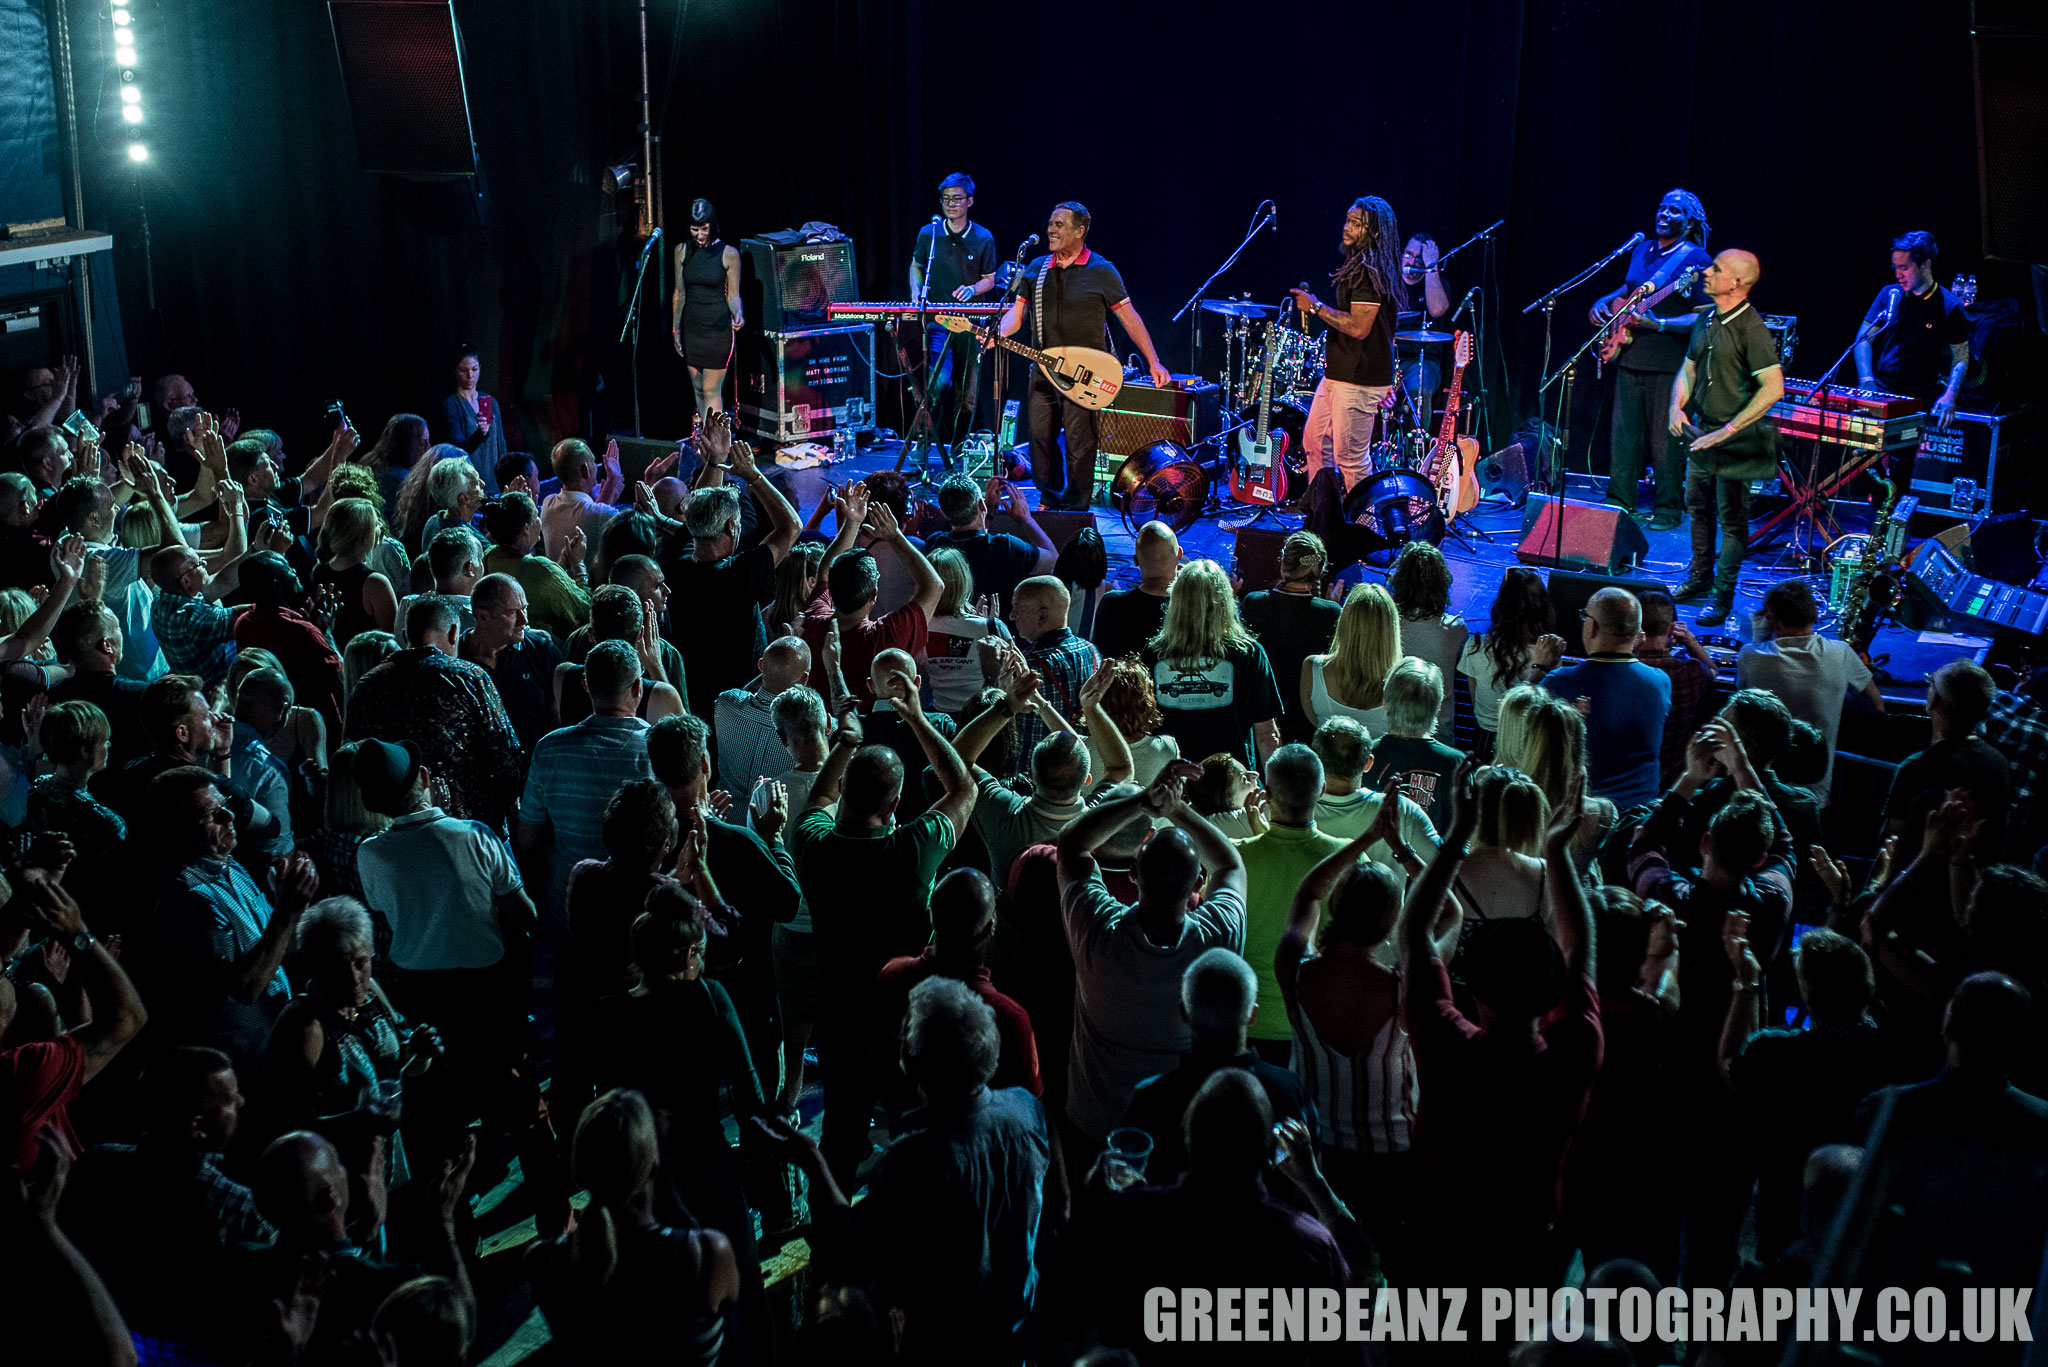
pixel 1569 591
pixel 785 282
pixel 2009 45
pixel 401 69
pixel 1506 471
pixel 1255 556
pixel 1596 536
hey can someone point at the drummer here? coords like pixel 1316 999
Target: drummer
pixel 1421 363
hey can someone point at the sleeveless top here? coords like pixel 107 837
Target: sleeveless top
pixel 350 617
pixel 1365 1102
pixel 703 276
pixel 645 1313
pixel 1476 921
pixel 1373 719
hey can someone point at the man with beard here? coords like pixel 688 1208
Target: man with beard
pixel 1358 367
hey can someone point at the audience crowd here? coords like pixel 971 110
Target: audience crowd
pixel 693 874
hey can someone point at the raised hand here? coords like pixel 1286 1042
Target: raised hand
pixel 574 547
pixel 1564 821
pixel 230 423
pixel 848 731
pixel 882 518
pixel 1664 928
pixel 714 438
pixel 774 815
pixel 611 459
pixel 1386 821
pixel 69 561
pixel 1097 686
pixel 1550 649
pixel 1163 798
pixel 1833 874
pixel 454 1177
pixel 1735 943
pixel 1952 827
pixel 744 463
pixel 721 803
pixel 643 498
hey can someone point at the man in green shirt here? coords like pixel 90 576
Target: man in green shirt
pixel 1274 866
pixel 868 882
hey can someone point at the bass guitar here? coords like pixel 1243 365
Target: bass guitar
pixel 1260 470
pixel 1617 334
pixel 1449 463
pixel 1082 374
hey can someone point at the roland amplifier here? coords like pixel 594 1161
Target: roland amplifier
pixel 785 282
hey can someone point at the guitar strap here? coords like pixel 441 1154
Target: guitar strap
pixel 1038 303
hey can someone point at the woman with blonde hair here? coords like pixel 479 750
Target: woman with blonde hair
pixel 1214 684
pixel 1545 737
pixel 622 1284
pixel 949 658
pixel 1351 679
pixel 1421 589
pixel 1502 877
pixel 365 599
pixel 415 499
pixel 1294 621
pixel 362 655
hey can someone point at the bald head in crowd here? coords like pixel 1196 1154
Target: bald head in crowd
pixel 1614 618
pixel 786 661
pixel 1039 606
pixel 892 673
pixel 1157 554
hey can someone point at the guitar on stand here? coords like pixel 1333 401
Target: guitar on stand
pixel 1450 462
pixel 1260 471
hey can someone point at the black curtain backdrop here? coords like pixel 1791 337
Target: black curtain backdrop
pixel 284 277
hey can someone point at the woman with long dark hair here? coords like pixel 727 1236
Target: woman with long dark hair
pixel 469 417
pixel 707 306
pixel 1421 588
pixel 1358 365
pixel 1518 648
pixel 397 449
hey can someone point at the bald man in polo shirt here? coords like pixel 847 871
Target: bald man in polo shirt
pixel 1623 700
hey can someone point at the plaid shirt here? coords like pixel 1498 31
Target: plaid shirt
pixel 1691 680
pixel 450 711
pixel 1064 661
pixel 196 634
pixel 2017 728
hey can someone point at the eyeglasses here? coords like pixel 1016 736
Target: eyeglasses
pixel 952 199
pixel 216 816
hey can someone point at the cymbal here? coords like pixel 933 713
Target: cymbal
pixel 1238 308
pixel 1422 337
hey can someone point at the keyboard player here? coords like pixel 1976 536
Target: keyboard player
pixel 957 259
pixel 1916 339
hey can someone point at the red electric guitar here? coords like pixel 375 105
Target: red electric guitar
pixel 1450 462
pixel 1259 474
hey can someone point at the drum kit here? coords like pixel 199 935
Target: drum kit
pixel 1254 332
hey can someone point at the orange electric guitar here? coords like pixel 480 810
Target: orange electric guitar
pixel 1616 334
pixel 1450 462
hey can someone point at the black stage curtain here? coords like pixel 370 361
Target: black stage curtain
pixel 284 277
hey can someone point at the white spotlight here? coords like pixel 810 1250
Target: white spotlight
pixel 137 152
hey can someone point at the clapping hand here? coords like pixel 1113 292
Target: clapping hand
pixel 1097 686
pixel 69 562
pixel 1163 798
pixel 1952 827
pixel 1565 818
pixel 1550 649
pixel 1664 928
pixel 1735 942
pixel 848 732
pixel 714 438
pixel 772 815
pixel 574 547
pixel 720 800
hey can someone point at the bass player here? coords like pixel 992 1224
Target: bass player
pixel 1070 294
pixel 1653 353
pixel 1358 366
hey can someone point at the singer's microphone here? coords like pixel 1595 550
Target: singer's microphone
pixel 1631 243
pixel 1276 216
pixel 652 238
pixel 1465 303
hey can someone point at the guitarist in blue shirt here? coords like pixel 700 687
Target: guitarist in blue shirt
pixel 1069 294
pixel 1653 349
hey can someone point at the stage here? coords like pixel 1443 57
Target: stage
pixel 1477 562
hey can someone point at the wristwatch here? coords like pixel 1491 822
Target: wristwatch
pixel 83 941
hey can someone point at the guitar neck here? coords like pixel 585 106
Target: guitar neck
pixel 1448 432
pixel 1029 353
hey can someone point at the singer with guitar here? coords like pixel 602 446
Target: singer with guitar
pixel 955 260
pixel 1069 294
pixel 1651 350
pixel 1729 380
pixel 1358 363
pixel 706 308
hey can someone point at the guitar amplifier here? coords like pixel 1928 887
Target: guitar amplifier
pixel 1142 414
pixel 807 383
pixel 1980 465
pixel 785 282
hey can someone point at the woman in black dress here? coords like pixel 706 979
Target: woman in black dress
pixel 707 306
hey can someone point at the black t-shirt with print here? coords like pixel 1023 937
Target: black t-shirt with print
pixel 1367 360
pixel 1425 767
pixel 1212 711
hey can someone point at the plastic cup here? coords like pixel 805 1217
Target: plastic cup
pixel 1128 1152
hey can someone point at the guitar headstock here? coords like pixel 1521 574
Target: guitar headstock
pixel 1965 290
pixel 1461 349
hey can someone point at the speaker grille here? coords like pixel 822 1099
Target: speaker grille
pixel 2012 139
pixel 401 65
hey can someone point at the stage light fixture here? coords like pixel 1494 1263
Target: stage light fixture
pixel 121 18
pixel 618 179
pixel 124 54
pixel 137 152
pixel 131 113
pixel 130 95
pixel 126 59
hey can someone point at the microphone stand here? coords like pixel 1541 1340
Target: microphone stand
pixel 1264 214
pixel 921 427
pixel 632 327
pixel 1473 240
pixel 1548 303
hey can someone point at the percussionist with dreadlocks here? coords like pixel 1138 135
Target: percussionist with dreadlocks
pixel 1358 368
pixel 1654 353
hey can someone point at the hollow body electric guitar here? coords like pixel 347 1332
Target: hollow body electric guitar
pixel 1632 310
pixel 1082 374
pixel 1450 462
pixel 1260 471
